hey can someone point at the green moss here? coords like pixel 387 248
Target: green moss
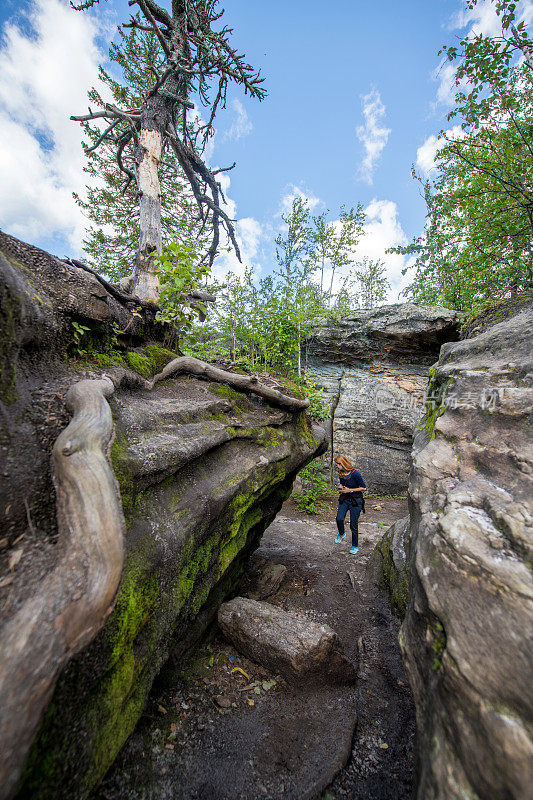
pixel 9 347
pixel 302 425
pixel 439 644
pixel 159 356
pixel 125 480
pixel 111 708
pixel 493 313
pixel 224 390
pixel 100 699
pixel 140 364
pixel 435 405
pixel 397 582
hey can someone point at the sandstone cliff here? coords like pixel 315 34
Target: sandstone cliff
pixel 467 637
pixel 373 366
pixel 100 595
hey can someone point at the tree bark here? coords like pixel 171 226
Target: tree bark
pixel 70 604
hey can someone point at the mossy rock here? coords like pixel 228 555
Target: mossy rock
pixel 389 568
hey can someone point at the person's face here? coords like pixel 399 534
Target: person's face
pixel 339 468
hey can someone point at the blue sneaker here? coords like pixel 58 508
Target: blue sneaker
pixel 353 550
pixel 339 537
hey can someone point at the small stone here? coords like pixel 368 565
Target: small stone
pixel 223 702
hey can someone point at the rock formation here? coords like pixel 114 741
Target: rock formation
pixel 388 565
pixel 373 367
pixel 467 637
pixel 203 461
pixel 300 650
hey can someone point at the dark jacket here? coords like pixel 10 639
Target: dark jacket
pixel 354 480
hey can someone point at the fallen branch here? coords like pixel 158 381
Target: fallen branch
pixel 72 603
pixel 243 383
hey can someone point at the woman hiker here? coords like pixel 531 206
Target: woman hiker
pixel 350 498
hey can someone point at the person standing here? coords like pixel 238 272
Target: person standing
pixel 351 499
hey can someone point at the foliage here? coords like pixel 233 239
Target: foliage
pixel 113 236
pixel 179 275
pixel 314 486
pixel 333 246
pixel 477 243
pixel 261 324
pixel 372 282
pixel 78 333
pixel 318 408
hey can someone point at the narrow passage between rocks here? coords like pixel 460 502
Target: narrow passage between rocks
pixel 224 728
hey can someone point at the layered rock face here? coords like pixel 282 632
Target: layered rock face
pixel 467 638
pixel 202 470
pixel 373 366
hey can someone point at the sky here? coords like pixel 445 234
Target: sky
pixel 357 95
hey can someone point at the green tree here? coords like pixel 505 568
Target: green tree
pixel 477 242
pixel 372 282
pixel 180 276
pixel 309 247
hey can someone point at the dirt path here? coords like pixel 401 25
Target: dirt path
pixel 225 729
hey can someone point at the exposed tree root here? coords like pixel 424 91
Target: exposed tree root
pixel 72 603
pixel 243 383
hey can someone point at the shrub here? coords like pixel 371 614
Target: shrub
pixel 314 486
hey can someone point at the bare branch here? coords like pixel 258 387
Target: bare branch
pixel 144 6
pixel 103 136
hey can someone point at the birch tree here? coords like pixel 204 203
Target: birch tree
pixel 198 64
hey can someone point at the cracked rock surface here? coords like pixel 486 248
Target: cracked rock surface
pixel 467 638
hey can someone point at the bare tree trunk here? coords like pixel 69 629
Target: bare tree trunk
pixel 146 282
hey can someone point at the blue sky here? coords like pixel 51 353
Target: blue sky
pixel 355 97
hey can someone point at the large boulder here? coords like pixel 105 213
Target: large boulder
pixel 202 468
pixel 300 650
pixel 467 638
pixel 373 367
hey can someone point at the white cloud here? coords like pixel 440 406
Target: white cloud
pixel 372 134
pixel 382 230
pixel 44 78
pixel 482 18
pixel 427 152
pixel 291 193
pixel 241 125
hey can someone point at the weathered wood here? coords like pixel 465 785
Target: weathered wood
pixel 246 383
pixel 71 604
pixel 146 282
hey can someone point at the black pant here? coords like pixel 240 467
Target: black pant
pixel 355 509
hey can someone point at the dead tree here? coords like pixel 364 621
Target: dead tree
pixel 199 64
